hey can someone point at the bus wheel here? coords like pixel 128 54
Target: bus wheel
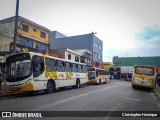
pixel 78 84
pixel 50 87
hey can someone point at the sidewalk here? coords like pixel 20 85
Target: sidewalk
pixel 157 91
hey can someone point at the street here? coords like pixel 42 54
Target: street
pixel 116 95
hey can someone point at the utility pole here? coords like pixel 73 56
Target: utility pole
pixel 15 27
pixel 92 33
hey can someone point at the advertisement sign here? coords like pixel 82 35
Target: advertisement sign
pixel 20 48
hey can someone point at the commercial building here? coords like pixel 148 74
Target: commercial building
pixel 30 37
pixel 131 61
pixel 78 42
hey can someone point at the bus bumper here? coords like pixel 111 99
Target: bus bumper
pixel 27 87
pixel 92 81
pixel 142 85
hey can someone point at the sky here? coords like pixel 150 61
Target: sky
pixel 128 28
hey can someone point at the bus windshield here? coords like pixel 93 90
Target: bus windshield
pixel 91 74
pixel 144 70
pixel 18 67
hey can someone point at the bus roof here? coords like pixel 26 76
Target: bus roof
pixel 39 54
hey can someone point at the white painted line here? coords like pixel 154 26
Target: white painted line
pixel 138 100
pixel 71 98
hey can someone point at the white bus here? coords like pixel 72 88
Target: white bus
pixel 98 75
pixel 29 72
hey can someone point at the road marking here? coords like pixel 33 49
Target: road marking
pixel 158 104
pixel 138 100
pixel 72 98
pixel 104 88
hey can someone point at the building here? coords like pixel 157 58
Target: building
pixel 68 54
pixel 131 61
pixel 107 65
pixel 85 41
pixel 3 55
pixel 30 37
pixel 86 55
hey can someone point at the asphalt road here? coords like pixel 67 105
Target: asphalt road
pixel 117 95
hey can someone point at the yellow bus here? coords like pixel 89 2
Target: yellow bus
pixel 29 72
pixel 98 75
pixel 144 76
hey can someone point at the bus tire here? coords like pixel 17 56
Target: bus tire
pixel 78 84
pixel 50 87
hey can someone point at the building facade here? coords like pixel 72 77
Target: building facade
pixel 68 54
pixel 131 61
pixel 86 41
pixel 30 36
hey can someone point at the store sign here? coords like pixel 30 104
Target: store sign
pixel 20 48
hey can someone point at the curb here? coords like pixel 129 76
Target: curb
pixel 154 90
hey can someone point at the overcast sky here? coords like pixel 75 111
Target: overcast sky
pixel 128 28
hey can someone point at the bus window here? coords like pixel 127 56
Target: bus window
pixel 96 73
pixel 38 65
pixel 74 67
pixel 68 67
pixel 60 66
pixel 79 68
pixel 50 64
pixel 91 75
pixel 144 70
pixel 84 69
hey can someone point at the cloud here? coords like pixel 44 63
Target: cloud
pixel 148 33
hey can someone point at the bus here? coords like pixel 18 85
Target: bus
pixel 98 75
pixel 30 72
pixel 144 76
pixel 2 75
